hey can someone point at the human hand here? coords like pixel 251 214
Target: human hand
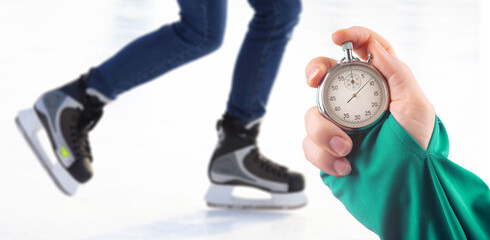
pixel 326 145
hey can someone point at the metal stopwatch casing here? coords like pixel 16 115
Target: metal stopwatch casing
pixel 353 94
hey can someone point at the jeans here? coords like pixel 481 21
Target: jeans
pixel 199 32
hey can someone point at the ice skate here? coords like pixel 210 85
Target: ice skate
pixel 66 115
pixel 237 163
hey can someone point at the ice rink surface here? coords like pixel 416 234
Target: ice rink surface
pixel 153 144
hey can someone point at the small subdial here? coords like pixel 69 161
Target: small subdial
pixel 352 82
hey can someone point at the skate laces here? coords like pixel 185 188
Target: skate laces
pixel 249 136
pixel 269 166
pixel 84 121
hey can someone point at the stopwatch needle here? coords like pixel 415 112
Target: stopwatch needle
pixel 355 94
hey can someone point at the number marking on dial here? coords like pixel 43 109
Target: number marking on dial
pixel 355 96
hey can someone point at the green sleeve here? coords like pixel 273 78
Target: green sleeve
pixel 401 191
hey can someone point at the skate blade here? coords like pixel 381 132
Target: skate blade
pixel 30 125
pixel 221 196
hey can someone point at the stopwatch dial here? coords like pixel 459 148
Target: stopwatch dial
pixel 356 96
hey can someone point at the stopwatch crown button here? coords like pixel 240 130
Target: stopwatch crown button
pixel 347 46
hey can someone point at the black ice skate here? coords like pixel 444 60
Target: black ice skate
pixel 237 161
pixel 67 115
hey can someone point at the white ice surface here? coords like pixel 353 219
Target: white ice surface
pixel 153 144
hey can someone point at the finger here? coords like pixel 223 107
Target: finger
pixel 317 69
pixel 326 134
pixel 331 165
pixel 384 59
pixel 361 38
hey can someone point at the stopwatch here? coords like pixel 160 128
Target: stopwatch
pixel 353 94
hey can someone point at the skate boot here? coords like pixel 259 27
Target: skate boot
pixel 67 115
pixel 237 162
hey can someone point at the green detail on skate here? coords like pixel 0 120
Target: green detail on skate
pixel 64 152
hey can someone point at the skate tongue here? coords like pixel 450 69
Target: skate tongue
pixel 234 126
pixel 91 113
pixel 89 119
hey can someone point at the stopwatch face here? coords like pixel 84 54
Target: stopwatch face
pixel 354 95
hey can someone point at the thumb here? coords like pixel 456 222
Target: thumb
pixel 401 81
pixel 409 106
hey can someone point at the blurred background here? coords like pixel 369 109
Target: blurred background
pixel 153 144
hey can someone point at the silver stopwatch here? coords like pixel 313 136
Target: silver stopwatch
pixel 353 94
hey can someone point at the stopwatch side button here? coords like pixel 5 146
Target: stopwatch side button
pixel 370 57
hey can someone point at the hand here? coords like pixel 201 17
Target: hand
pixel 326 145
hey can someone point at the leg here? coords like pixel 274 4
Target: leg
pixel 236 161
pixel 68 113
pixel 199 31
pixel 260 56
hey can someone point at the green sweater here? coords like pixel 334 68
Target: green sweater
pixel 401 191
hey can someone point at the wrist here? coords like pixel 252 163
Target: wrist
pixel 417 119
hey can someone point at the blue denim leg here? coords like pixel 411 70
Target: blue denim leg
pixel 199 31
pixel 260 56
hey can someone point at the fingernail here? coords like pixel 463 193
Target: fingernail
pixel 312 73
pixel 340 146
pixel 342 168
